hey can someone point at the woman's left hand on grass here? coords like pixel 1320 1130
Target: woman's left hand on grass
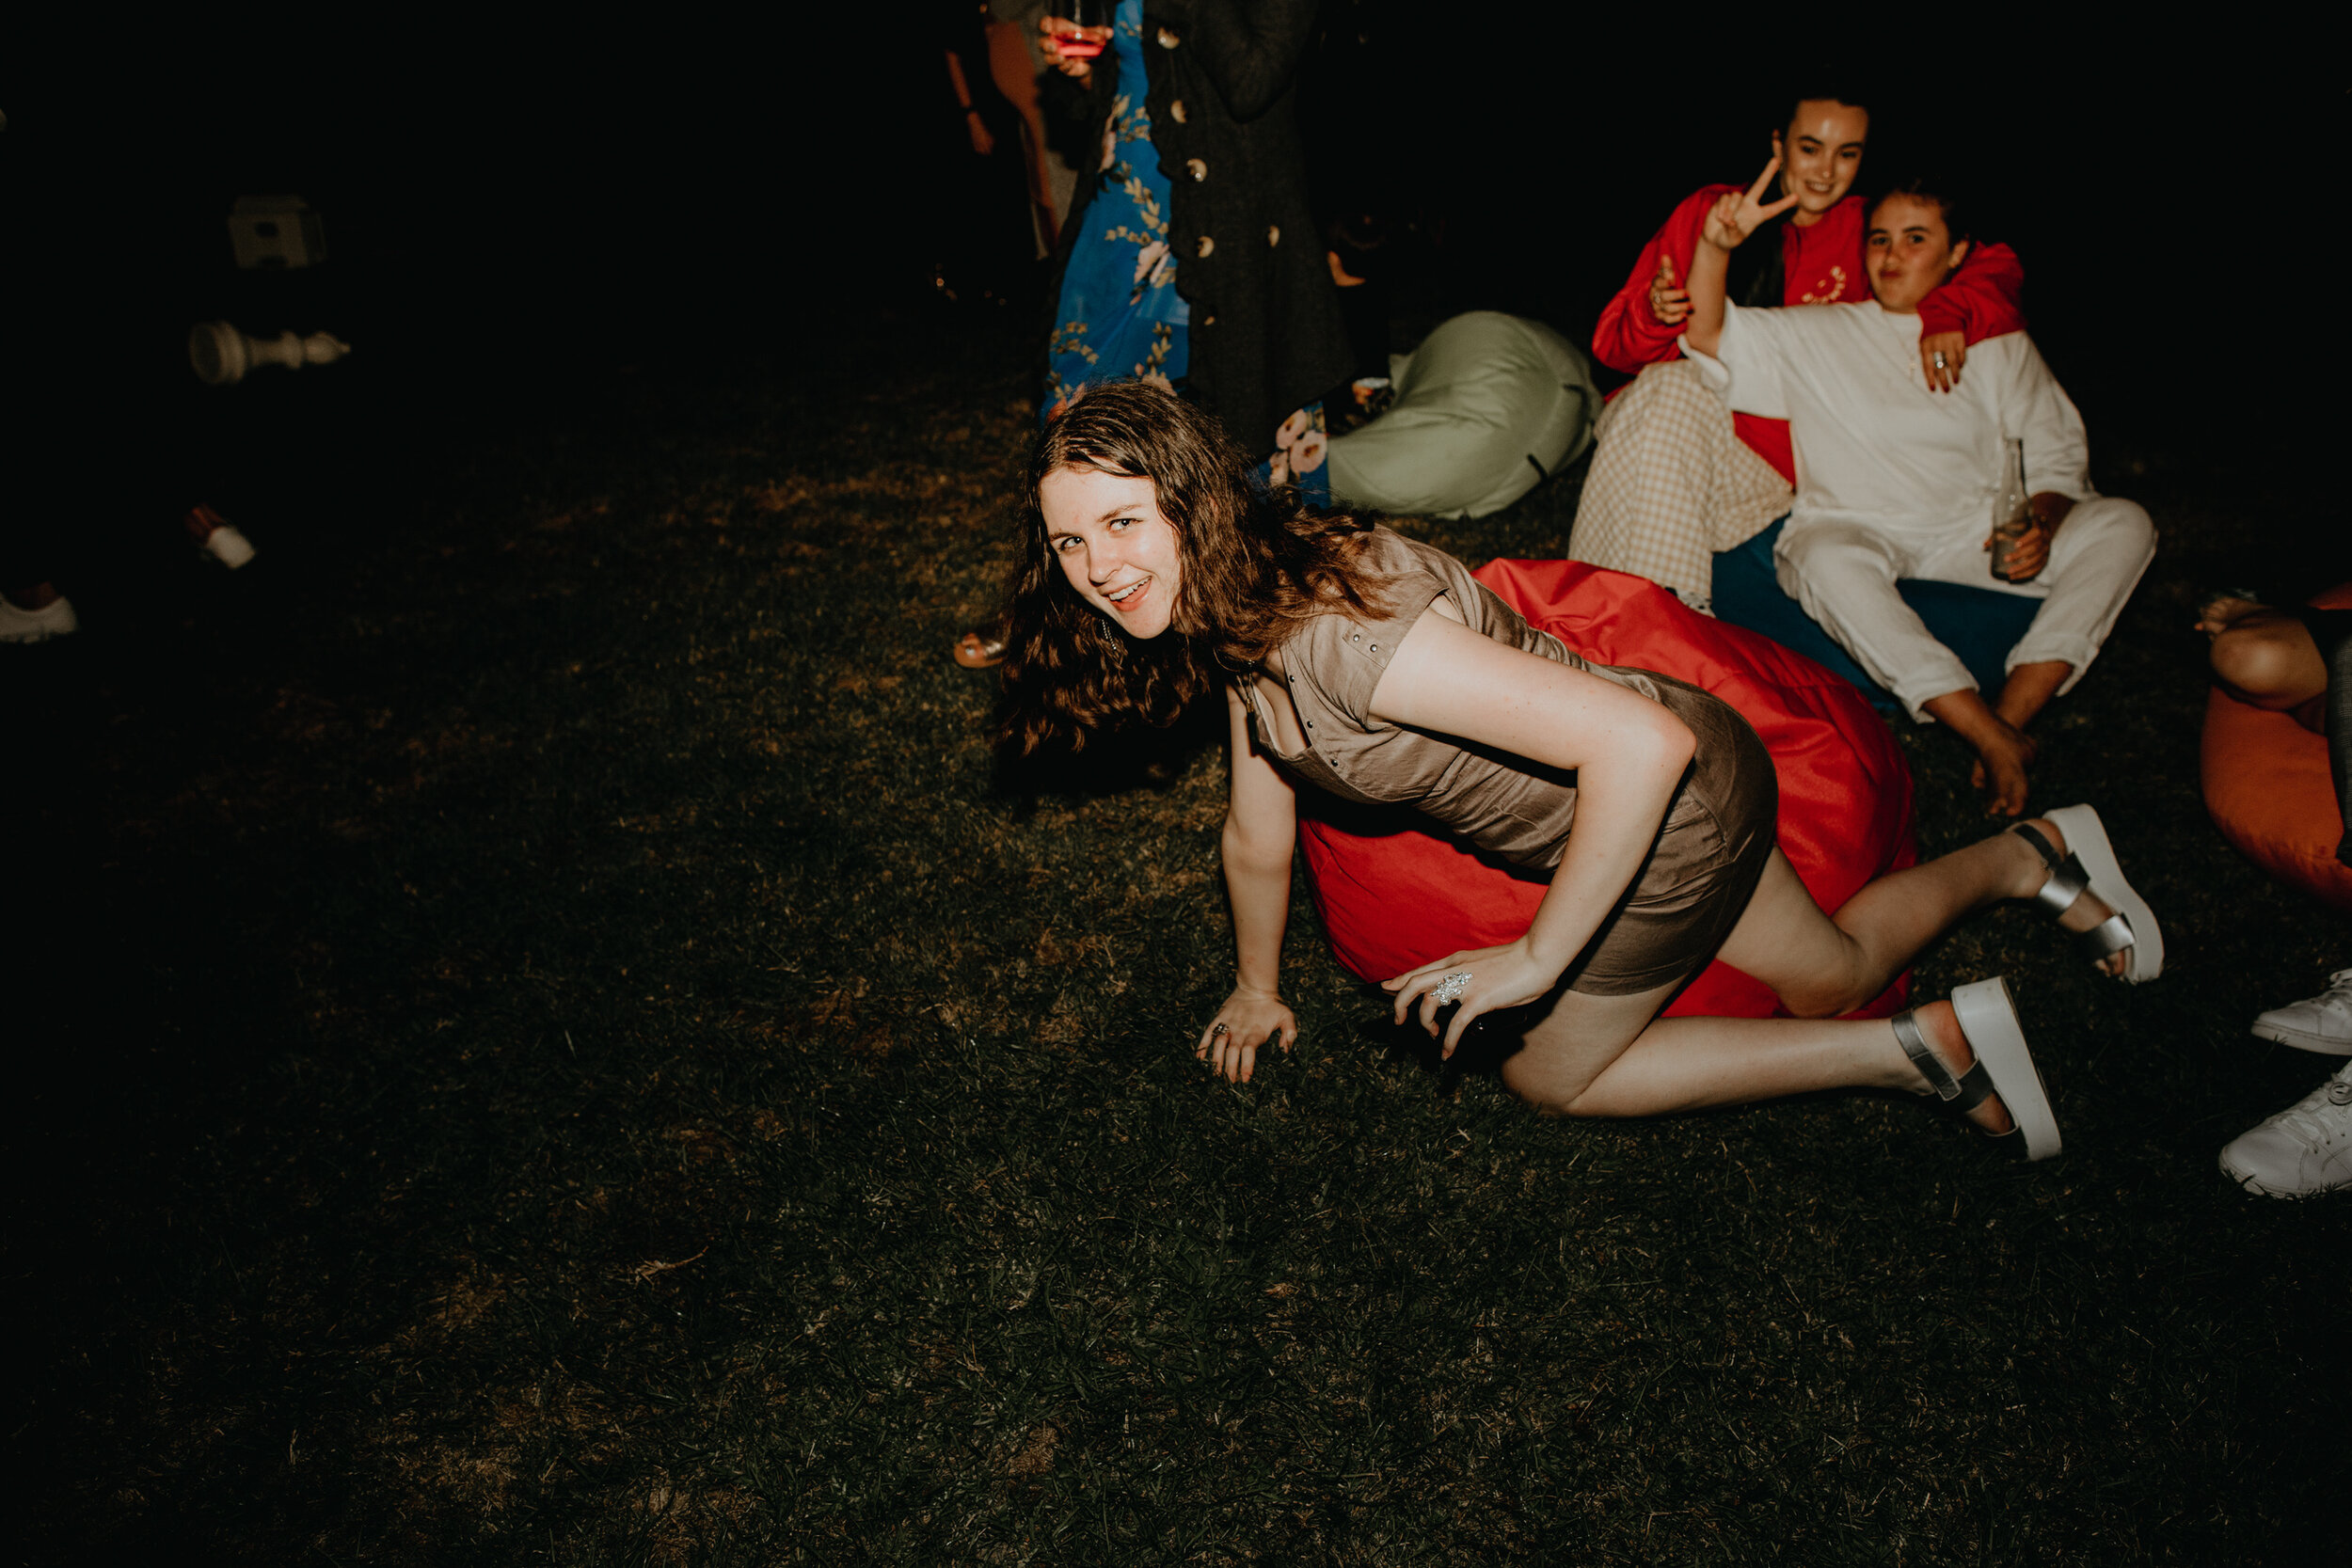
pixel 1248 1020
pixel 1508 976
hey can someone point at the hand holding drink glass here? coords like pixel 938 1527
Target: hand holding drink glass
pixel 2021 540
pixel 1071 42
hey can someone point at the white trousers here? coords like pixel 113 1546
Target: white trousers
pixel 1844 574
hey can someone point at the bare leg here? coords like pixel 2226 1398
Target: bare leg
pixel 2266 657
pixel 1613 1056
pixel 1821 965
pixel 1685 1063
pixel 2003 750
pixel 2029 689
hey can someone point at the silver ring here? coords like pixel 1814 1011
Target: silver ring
pixel 1451 987
pixel 1939 359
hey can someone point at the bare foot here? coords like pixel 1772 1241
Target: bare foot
pixel 1941 1025
pixel 2087 910
pixel 2002 758
pixel 2226 610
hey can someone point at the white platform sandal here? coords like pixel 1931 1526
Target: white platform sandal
pixel 2004 1067
pixel 2091 867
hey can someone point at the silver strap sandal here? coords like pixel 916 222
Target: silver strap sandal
pixel 2004 1067
pixel 2069 880
pixel 2093 867
pixel 1960 1095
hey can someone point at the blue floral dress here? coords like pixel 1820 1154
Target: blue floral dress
pixel 1119 315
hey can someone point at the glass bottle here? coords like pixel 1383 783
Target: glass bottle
pixel 2012 510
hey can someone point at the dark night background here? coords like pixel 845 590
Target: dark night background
pixel 505 220
pixel 530 246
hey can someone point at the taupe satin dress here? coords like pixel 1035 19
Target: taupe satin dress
pixel 1709 851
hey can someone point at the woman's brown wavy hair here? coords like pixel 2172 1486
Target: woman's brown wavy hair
pixel 1255 567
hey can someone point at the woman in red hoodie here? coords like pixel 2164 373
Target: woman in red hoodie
pixel 1676 476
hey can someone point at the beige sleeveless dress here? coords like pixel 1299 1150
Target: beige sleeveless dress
pixel 1710 850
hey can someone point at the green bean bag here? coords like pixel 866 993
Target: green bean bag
pixel 1487 408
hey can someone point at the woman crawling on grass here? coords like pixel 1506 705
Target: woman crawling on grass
pixel 1358 661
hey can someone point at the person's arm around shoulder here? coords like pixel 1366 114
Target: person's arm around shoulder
pixel 1260 827
pixel 1643 320
pixel 1629 753
pixel 1985 298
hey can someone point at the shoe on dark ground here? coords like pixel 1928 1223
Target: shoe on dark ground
pixel 217 536
pixel 983 649
pixel 2304 1150
pixel 2321 1024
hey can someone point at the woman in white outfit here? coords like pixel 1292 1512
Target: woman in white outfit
pixel 1895 480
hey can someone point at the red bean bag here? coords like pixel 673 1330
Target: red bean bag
pixel 1394 894
pixel 2267 783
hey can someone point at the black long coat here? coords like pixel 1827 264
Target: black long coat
pixel 1266 331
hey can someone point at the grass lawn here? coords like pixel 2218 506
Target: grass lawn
pixel 575 1053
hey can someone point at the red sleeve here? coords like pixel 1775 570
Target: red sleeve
pixel 1984 300
pixel 1628 336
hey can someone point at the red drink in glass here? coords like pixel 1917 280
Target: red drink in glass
pixel 1083 17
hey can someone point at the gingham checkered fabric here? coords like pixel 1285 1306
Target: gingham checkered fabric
pixel 1671 485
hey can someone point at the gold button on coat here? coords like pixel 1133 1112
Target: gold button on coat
pixel 1273 234
pixel 1176 110
pixel 1169 39
pixel 1198 170
pixel 1206 246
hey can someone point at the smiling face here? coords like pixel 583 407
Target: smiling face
pixel 1117 550
pixel 1820 155
pixel 1909 251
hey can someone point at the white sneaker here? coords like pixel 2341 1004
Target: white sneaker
pixel 2322 1022
pixel 229 548
pixel 2304 1149
pixel 217 536
pixel 54 619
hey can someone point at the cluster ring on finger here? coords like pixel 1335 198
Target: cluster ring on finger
pixel 1220 1029
pixel 1940 361
pixel 1451 987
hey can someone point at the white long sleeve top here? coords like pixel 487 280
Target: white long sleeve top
pixel 1873 444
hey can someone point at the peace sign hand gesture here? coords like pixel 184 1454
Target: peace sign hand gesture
pixel 1736 216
